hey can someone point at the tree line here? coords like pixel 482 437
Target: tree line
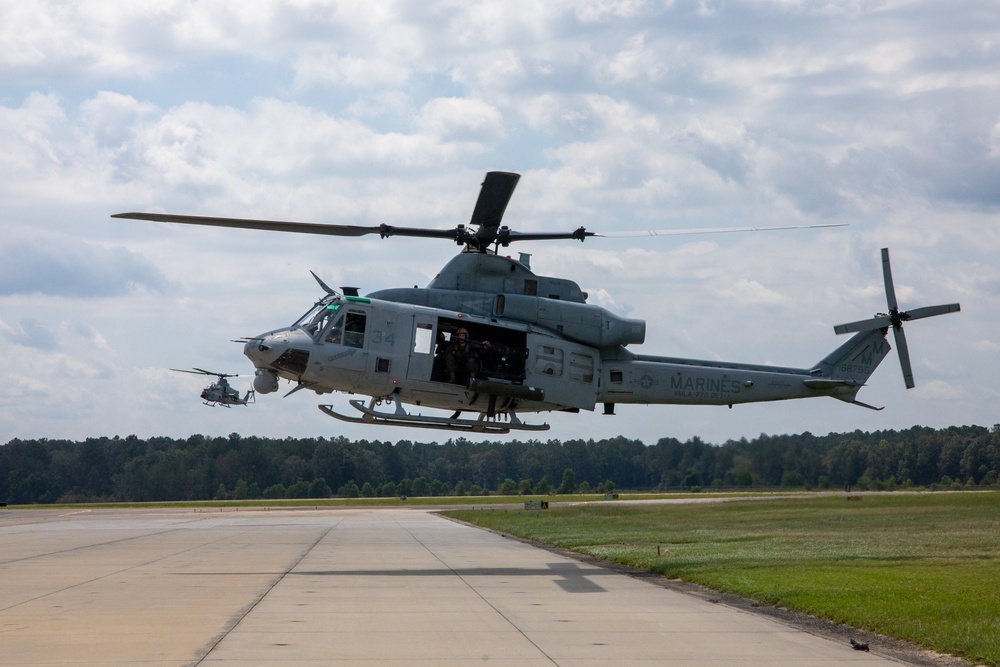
pixel 133 469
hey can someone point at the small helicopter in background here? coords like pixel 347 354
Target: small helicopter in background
pixel 490 337
pixel 220 392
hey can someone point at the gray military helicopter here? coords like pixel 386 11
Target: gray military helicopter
pixel 220 392
pixel 489 337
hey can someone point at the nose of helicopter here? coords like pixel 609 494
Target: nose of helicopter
pixel 264 349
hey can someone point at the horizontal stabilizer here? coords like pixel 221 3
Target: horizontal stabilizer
pixel 830 383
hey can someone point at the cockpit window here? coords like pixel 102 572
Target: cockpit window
pixel 317 319
pixel 348 329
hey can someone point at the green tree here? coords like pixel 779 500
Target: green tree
pixel 318 488
pixel 275 491
pixel 349 490
pixel 298 490
pixel 241 491
pixel 568 484
pixel 420 487
pixel 792 479
pixel 543 487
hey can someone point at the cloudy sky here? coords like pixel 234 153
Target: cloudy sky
pixel 619 114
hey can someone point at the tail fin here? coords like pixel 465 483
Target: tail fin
pixel 845 370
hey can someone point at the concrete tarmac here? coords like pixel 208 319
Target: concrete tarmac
pixel 347 587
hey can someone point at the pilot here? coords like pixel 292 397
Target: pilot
pixel 461 359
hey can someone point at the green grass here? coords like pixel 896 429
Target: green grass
pixel 922 567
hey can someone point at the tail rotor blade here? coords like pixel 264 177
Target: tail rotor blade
pixel 890 291
pixel 894 319
pixel 877 322
pixel 904 357
pixel 931 311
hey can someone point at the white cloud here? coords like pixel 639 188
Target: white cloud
pixel 748 292
pixel 461 119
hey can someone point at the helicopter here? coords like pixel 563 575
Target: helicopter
pixel 220 392
pixel 489 337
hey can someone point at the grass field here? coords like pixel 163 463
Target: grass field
pixel 919 567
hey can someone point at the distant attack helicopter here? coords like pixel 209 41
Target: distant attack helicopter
pixel 220 392
pixel 489 337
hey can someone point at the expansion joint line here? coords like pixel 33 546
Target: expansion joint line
pixel 478 594
pixel 250 607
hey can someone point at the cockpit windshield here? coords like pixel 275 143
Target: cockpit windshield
pixel 320 315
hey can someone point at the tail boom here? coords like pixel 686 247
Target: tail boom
pixel 668 380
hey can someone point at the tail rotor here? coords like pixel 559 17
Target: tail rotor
pixel 895 318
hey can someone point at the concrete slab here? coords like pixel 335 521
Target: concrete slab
pixel 347 587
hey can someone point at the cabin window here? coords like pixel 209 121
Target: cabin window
pixel 531 287
pixel 616 377
pixel 423 338
pixel 581 367
pixel 549 360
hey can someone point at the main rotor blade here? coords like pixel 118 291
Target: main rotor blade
pixel 202 371
pixel 268 225
pixel 877 322
pixel 931 311
pixel 904 356
pixel 890 291
pixel 707 230
pixel 298 227
pixel 221 375
pixel 497 189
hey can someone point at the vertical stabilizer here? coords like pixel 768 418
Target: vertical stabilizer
pixel 850 365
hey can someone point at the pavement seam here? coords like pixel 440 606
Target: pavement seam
pixel 478 594
pixel 238 618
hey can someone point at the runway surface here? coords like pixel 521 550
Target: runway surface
pixel 347 587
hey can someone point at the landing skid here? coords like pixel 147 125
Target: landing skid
pixel 453 423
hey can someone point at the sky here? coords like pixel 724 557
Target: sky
pixel 620 115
